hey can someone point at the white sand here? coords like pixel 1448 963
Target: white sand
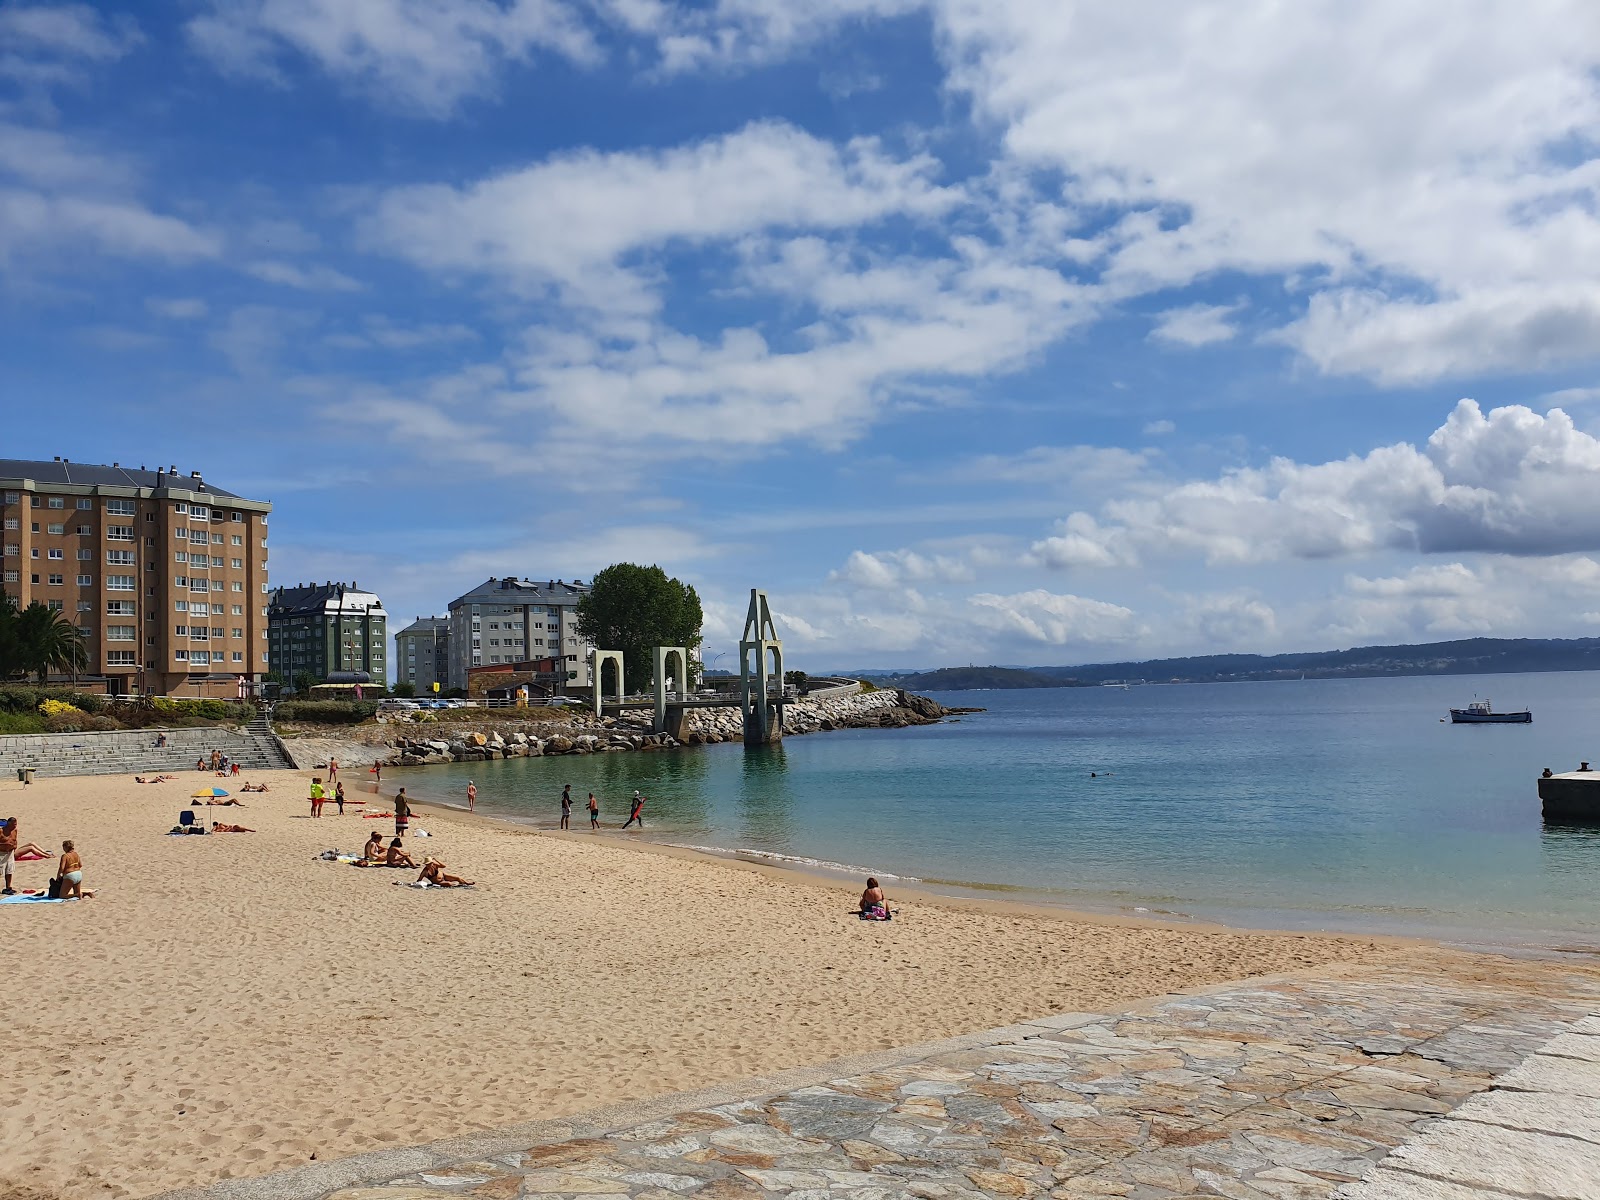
pixel 228 1006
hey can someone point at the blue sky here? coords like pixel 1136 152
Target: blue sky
pixel 1023 331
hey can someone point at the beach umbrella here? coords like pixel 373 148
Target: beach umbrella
pixel 207 793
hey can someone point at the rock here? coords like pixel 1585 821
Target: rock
pixel 559 744
pixel 924 707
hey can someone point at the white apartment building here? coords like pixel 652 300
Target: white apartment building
pixel 514 620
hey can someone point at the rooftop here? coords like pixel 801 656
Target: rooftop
pixel 332 596
pixel 511 590
pixel 62 471
pixel 426 625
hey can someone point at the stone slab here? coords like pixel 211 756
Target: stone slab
pixel 1563 1076
pixel 1388 1184
pixel 1510 1160
pixel 1536 1112
pixel 1573 1045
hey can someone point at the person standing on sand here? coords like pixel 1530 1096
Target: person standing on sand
pixel 318 795
pixel 338 797
pixel 333 770
pixel 594 812
pixel 472 796
pixel 566 807
pixel 402 814
pixel 638 808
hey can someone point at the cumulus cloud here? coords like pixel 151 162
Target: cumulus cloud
pixel 1053 618
pixel 1443 600
pixel 43 45
pixel 1195 325
pixel 897 568
pixel 1430 183
pixel 1511 482
pixel 421 55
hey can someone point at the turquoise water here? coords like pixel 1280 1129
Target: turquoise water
pixel 1322 804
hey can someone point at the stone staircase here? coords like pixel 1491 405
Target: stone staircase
pixel 134 751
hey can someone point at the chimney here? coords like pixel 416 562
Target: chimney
pixel 172 470
pixel 194 474
pixel 116 464
pixel 58 458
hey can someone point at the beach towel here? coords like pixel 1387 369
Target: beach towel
pixel 32 857
pixel 423 883
pixel 376 816
pixel 33 898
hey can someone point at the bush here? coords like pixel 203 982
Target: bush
pixel 326 712
pixel 405 689
pixel 21 722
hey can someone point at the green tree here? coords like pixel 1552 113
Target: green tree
pixel 304 681
pixel 404 688
pixel 635 609
pixel 38 640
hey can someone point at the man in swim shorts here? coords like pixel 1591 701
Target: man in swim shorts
pixel 402 814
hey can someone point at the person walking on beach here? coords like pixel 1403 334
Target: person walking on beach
pixel 402 814
pixel 638 807
pixel 472 796
pixel 318 795
pixel 338 797
pixel 594 812
pixel 566 807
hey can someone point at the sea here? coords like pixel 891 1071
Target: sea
pixel 1344 804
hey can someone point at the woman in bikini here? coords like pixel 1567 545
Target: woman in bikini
pixel 218 828
pixel 70 873
pixel 396 857
pixel 433 872
pixel 873 902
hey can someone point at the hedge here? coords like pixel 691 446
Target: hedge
pixel 325 712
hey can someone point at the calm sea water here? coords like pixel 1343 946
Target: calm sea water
pixel 1322 804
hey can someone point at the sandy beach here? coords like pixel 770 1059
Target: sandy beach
pixel 230 1006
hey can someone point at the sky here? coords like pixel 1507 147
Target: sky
pixel 1021 332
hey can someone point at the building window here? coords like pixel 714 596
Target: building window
pixel 119 608
pixel 238 656
pixel 180 656
pixel 120 633
pixel 13 498
pixel 181 533
pixel 85 530
pixel 119 658
pixel 237 518
pixel 85 555
pixel 238 564
pixel 57 502
pixel 57 555
pixel 57 529
pixel 120 558
pixel 119 533
pixel 199 510
pixel 13 577
pixel 85 580
pixel 197 584
pixel 120 583
pixel 180 507
pixel 119 508
pixel 54 605
pixel 85 605
pixel 56 580
pixel 238 633
pixel 13 549
pixel 238 610
pixel 11 522
pixel 85 503
pixel 181 556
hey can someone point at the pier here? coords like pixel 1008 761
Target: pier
pixel 1571 798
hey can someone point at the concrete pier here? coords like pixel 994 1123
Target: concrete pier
pixel 1571 798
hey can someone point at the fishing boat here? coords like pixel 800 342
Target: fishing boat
pixel 1480 712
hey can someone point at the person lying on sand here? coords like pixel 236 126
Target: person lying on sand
pixel 433 872
pixel 32 852
pixel 254 787
pixel 156 779
pixel 230 802
pixel 217 827
pixel 398 857
pixel 874 904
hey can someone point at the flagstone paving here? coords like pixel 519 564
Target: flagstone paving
pixel 1293 1089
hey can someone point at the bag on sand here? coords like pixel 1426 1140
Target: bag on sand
pixel 54 891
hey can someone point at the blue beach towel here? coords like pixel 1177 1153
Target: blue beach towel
pixel 41 898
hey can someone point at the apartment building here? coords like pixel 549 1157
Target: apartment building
pixel 165 575
pixel 514 620
pixel 422 654
pixel 331 631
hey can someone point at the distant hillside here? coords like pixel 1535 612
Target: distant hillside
pixel 1472 656
pixel 967 679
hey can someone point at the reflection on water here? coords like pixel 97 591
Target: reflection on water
pixel 766 801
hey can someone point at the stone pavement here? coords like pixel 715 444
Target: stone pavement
pixel 1300 1088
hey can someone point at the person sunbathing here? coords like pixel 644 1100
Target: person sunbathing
pixel 157 779
pixel 874 903
pixel 398 857
pixel 372 852
pixel 31 852
pixel 433 872
pixel 217 827
pixel 254 787
pixel 230 801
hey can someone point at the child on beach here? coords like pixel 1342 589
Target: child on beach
pixel 594 812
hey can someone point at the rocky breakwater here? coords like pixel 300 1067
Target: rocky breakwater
pixel 631 732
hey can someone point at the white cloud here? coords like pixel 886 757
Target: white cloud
pixel 1195 325
pixel 422 55
pixel 1053 618
pixel 312 279
pixel 1224 620
pixel 178 308
pixel 46 45
pixel 1158 428
pixel 1061 466
pixel 1080 541
pixel 1436 179
pixel 1444 600
pixel 736 33
pixel 897 568
pixel 1511 482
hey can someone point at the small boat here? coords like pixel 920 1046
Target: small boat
pixel 1480 712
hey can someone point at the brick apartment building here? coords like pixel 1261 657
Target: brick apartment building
pixel 165 575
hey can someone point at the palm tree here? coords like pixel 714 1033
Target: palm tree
pixel 38 639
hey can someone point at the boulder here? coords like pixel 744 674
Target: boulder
pixel 476 739
pixel 559 744
pixel 923 706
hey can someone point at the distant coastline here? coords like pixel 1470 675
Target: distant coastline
pixel 1471 656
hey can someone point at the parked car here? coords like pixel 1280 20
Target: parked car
pixel 396 704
